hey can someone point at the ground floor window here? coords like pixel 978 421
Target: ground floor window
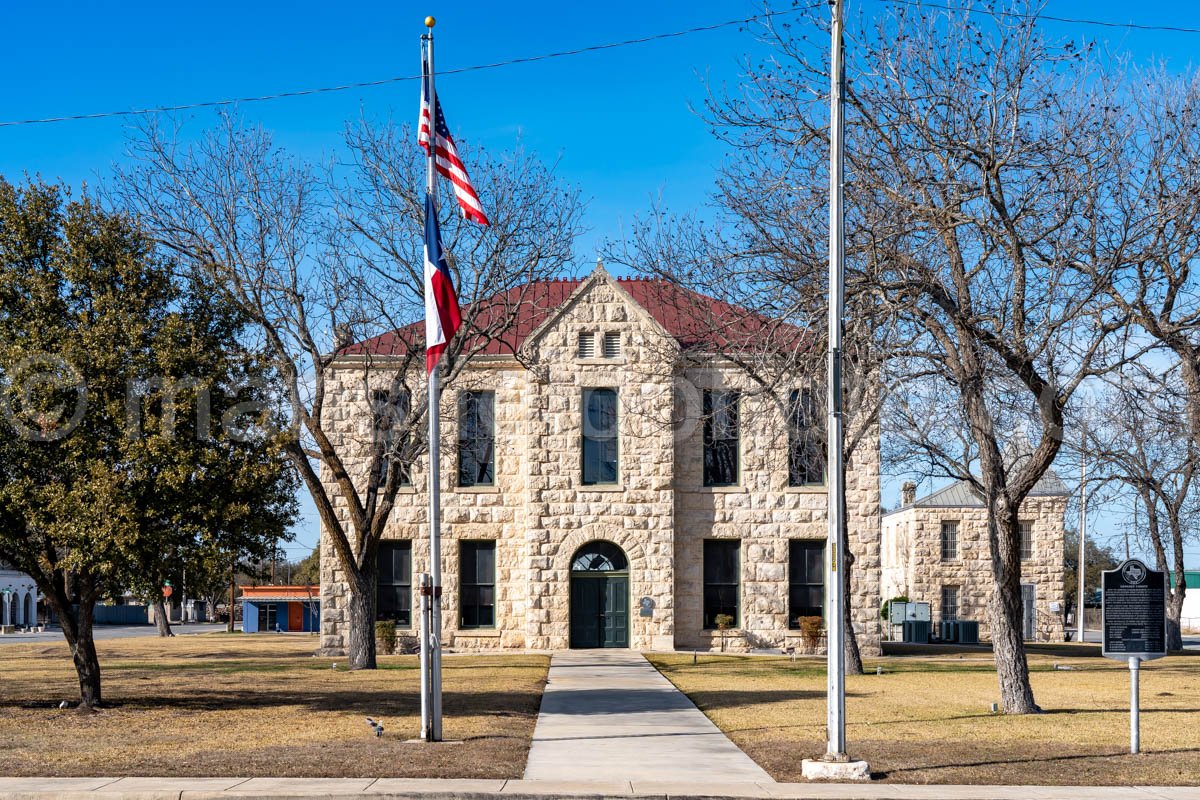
pixel 949 603
pixel 721 566
pixel 806 580
pixel 477 584
pixel 393 592
pixel 268 616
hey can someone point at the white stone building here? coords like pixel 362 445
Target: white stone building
pixel 935 550
pixel 609 480
pixel 18 598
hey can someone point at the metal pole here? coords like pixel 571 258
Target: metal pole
pixel 1082 534
pixel 423 633
pixel 836 693
pixel 1135 734
pixel 435 489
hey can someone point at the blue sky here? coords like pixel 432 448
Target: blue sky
pixel 619 123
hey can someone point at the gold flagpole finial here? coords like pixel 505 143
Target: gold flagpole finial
pixel 430 22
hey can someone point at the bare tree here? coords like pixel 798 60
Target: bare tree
pixel 1139 439
pixel 320 260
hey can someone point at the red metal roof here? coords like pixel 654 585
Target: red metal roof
pixel 696 321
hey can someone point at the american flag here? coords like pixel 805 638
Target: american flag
pixel 446 160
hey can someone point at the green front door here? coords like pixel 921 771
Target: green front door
pixel 599 610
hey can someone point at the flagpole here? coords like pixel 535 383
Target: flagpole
pixel 434 733
pixel 835 763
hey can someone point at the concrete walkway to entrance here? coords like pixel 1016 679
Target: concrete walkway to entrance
pixel 608 714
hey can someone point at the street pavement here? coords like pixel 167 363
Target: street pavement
pixel 55 634
pixel 608 714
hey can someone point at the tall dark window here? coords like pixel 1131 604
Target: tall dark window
pixel 477 584
pixel 390 411
pixel 721 567
pixel 949 541
pixel 806 440
pixel 1026 540
pixel 949 603
pixel 599 436
pixel 806 580
pixel 393 593
pixel 476 439
pixel 720 438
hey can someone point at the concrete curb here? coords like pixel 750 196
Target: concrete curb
pixel 428 789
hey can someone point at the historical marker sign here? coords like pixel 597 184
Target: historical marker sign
pixel 1134 612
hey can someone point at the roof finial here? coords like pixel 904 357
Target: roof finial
pixel 599 264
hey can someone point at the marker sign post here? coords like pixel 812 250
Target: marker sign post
pixel 1133 604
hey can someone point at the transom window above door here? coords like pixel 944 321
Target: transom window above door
pixel 599 557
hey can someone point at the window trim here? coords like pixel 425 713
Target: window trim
pixel 463 584
pixel 465 396
pixel 1026 544
pixel 405 544
pixel 737 595
pixel 794 405
pixel 584 394
pixel 811 544
pixel 709 441
pixel 953 523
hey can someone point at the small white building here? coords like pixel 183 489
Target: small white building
pixel 18 599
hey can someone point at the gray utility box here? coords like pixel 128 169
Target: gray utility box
pixel 916 630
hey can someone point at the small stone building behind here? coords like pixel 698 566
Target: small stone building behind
pixel 610 479
pixel 935 550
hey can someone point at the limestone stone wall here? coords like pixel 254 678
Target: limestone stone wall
pixel 764 513
pixel 913 567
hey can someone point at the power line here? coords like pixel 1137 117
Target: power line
pixel 1069 20
pixel 402 78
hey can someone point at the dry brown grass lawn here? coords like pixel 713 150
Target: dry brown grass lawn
pixel 927 719
pixel 223 705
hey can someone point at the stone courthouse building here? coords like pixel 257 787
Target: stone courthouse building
pixel 609 479
pixel 935 550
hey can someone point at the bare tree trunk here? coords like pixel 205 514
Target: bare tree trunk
pixel 360 620
pixel 854 665
pixel 1174 613
pixel 229 626
pixel 161 619
pixel 1006 614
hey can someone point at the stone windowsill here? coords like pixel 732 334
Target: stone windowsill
pixel 488 489
pixel 713 633
pixel 812 488
pixel 600 362
pixel 600 487
pixel 477 633
pixel 735 489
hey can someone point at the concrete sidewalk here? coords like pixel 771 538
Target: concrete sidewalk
pixel 368 789
pixel 608 714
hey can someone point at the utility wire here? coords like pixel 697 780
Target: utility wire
pixel 401 78
pixel 1070 20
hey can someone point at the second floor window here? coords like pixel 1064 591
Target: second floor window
pixel 476 439
pixel 806 440
pixel 720 438
pixel 599 436
pixel 389 411
pixel 1026 540
pixel 949 541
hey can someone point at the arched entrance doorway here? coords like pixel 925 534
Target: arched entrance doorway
pixel 30 619
pixel 599 596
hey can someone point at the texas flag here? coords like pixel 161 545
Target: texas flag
pixel 442 317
